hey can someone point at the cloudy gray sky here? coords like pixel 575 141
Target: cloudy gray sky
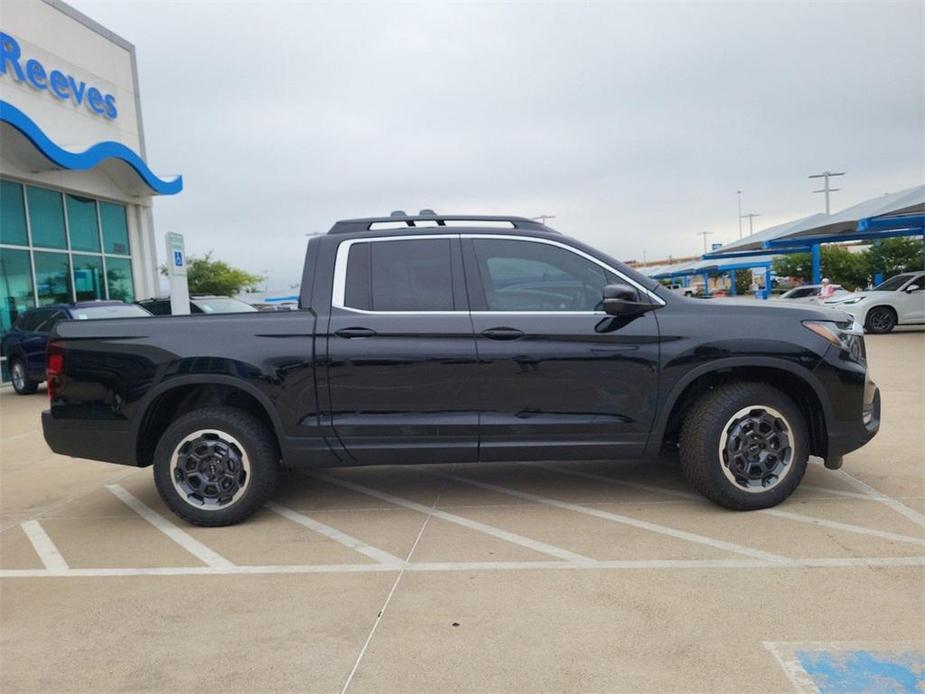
pixel 633 123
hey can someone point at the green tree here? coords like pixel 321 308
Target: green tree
pixel 841 266
pixel 892 256
pixel 207 276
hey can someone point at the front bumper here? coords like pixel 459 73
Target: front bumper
pixel 111 442
pixel 845 437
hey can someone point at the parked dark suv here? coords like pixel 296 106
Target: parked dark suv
pixel 24 345
pixel 199 304
pixel 458 339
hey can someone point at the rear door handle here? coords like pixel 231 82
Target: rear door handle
pixel 503 333
pixel 355 332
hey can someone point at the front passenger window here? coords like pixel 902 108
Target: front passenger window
pixel 531 276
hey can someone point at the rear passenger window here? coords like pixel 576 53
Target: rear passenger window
pixel 410 275
pixel 30 321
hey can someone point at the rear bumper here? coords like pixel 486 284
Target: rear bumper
pixel 109 441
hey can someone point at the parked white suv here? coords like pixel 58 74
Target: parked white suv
pixel 809 293
pixel 898 301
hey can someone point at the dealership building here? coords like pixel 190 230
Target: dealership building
pixel 75 189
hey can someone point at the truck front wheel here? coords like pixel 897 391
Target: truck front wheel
pixel 744 445
pixel 216 466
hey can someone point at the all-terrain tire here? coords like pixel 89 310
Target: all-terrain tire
pixel 715 414
pixel 243 437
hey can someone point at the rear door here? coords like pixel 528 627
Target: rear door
pixel 401 353
pixel 558 378
pixel 911 305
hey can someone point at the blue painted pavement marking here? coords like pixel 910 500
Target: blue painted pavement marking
pixel 836 672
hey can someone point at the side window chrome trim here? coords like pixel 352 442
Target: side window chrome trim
pixel 343 251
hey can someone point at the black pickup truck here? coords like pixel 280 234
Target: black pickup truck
pixel 461 339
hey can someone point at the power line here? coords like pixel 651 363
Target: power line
pixel 825 189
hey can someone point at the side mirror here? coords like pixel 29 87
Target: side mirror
pixel 912 288
pixel 623 300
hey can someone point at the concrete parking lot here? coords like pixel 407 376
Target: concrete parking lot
pixel 583 577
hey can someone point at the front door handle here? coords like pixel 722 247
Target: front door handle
pixel 503 333
pixel 355 332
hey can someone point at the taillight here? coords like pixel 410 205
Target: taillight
pixel 54 369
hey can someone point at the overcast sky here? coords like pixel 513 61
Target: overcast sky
pixel 633 124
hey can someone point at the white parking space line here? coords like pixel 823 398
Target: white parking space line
pixel 43 545
pixel 334 534
pixel 846 527
pixel 513 538
pixel 604 565
pixel 626 520
pixel 798 677
pixel 620 483
pixel 834 492
pixel 899 507
pixel 182 538
pixel 779 513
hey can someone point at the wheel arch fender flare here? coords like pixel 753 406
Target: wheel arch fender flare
pixel 207 380
pixel 656 437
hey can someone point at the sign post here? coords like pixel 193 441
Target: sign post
pixel 176 274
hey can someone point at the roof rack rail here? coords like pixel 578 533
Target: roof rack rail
pixel 347 226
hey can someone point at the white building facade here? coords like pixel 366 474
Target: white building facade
pixel 75 191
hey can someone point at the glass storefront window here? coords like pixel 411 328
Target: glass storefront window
pixel 115 228
pixel 46 217
pixel 88 277
pixel 119 278
pixel 12 214
pixel 82 223
pixel 52 278
pixel 16 295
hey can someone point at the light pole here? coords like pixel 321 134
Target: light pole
pixel 704 234
pixel 739 196
pixel 751 217
pixel 825 188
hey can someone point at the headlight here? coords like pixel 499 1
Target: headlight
pixel 846 336
pixel 854 300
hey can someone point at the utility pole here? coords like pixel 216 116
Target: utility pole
pixel 739 196
pixel 825 188
pixel 751 217
pixel 543 217
pixel 704 234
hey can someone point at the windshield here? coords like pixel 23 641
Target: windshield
pixel 892 284
pixel 110 311
pixel 223 304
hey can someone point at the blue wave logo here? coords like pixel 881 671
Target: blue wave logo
pixel 89 158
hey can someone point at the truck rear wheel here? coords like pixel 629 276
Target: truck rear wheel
pixel 745 446
pixel 22 384
pixel 216 466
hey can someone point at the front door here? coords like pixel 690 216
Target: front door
pixel 401 354
pixel 559 378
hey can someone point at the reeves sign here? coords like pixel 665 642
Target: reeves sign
pixel 61 85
